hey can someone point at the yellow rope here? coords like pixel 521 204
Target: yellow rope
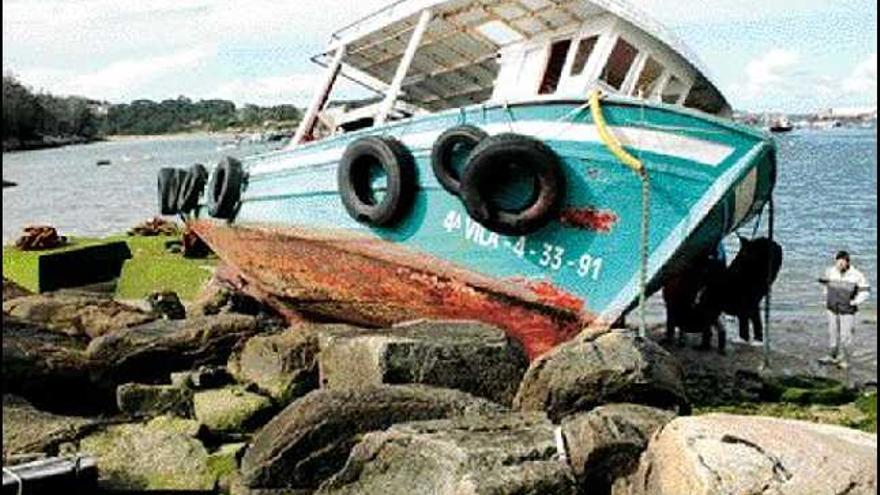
pixel 609 139
pixel 614 146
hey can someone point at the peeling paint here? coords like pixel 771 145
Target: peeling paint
pixel 347 279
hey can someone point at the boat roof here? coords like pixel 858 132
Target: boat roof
pixel 455 64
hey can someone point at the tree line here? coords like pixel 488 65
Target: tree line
pixel 29 115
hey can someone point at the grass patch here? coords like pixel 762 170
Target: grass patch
pixel 151 268
pixel 828 403
pixel 22 266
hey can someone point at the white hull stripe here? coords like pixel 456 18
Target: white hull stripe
pixel 663 143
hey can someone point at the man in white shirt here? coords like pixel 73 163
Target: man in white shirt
pixel 845 288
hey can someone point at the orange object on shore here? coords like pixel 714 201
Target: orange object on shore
pixel 39 237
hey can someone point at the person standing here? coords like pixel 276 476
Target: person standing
pixel 845 289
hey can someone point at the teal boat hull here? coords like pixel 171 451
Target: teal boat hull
pixel 707 176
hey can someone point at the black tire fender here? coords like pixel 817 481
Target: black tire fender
pixel 224 189
pixel 452 139
pixel 191 188
pixel 169 180
pixel 353 179
pixel 488 164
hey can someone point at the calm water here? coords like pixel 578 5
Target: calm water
pixel 825 199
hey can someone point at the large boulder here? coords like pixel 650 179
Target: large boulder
pixel 150 352
pixel 311 438
pixel 12 290
pixel 162 454
pixel 497 454
pixel 76 313
pixel 283 365
pixel 470 356
pixel 605 443
pixel 27 430
pixel 138 399
pixel 231 409
pixel 600 367
pixel 50 370
pixel 722 453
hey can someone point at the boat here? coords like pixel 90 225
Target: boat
pixel 780 124
pixel 102 162
pixel 542 166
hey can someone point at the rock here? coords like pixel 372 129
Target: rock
pixel 201 378
pixel 159 455
pixel 150 352
pixel 12 290
pixel 497 454
pixel 605 443
pixel 311 438
pixel 598 368
pixel 231 409
pixel 138 399
pixel 27 430
pixel 282 365
pixel 167 304
pixel 218 298
pixel 469 356
pixel 722 453
pixel 223 462
pixel 76 313
pixel 50 370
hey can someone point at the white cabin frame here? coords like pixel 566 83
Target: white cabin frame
pixel 421 36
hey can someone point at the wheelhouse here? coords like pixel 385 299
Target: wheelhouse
pixel 423 56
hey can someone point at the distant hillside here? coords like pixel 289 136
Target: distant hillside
pixel 182 114
pixel 37 120
pixel 34 120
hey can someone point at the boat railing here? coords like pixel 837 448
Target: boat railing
pixel 338 33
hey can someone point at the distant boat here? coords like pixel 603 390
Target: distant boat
pixel 781 124
pixel 102 162
pixel 7 183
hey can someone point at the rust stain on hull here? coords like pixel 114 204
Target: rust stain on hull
pixel 589 218
pixel 372 282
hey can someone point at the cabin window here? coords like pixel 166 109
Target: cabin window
pixel 673 90
pixel 558 53
pixel 617 67
pixel 648 79
pixel 585 48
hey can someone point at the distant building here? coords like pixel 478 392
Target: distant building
pixel 849 113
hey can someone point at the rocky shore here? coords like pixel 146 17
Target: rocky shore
pixel 14 144
pixel 221 397
pixel 132 386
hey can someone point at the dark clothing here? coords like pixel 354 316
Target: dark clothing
pixel 839 297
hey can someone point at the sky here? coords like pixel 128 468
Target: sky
pixel 765 55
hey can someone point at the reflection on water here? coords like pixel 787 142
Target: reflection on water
pixel 825 200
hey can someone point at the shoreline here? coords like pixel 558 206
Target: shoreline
pixel 167 137
pixel 48 142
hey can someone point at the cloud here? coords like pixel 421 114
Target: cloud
pixel 295 88
pixel 121 77
pixel 770 70
pixel 863 79
pixel 125 79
